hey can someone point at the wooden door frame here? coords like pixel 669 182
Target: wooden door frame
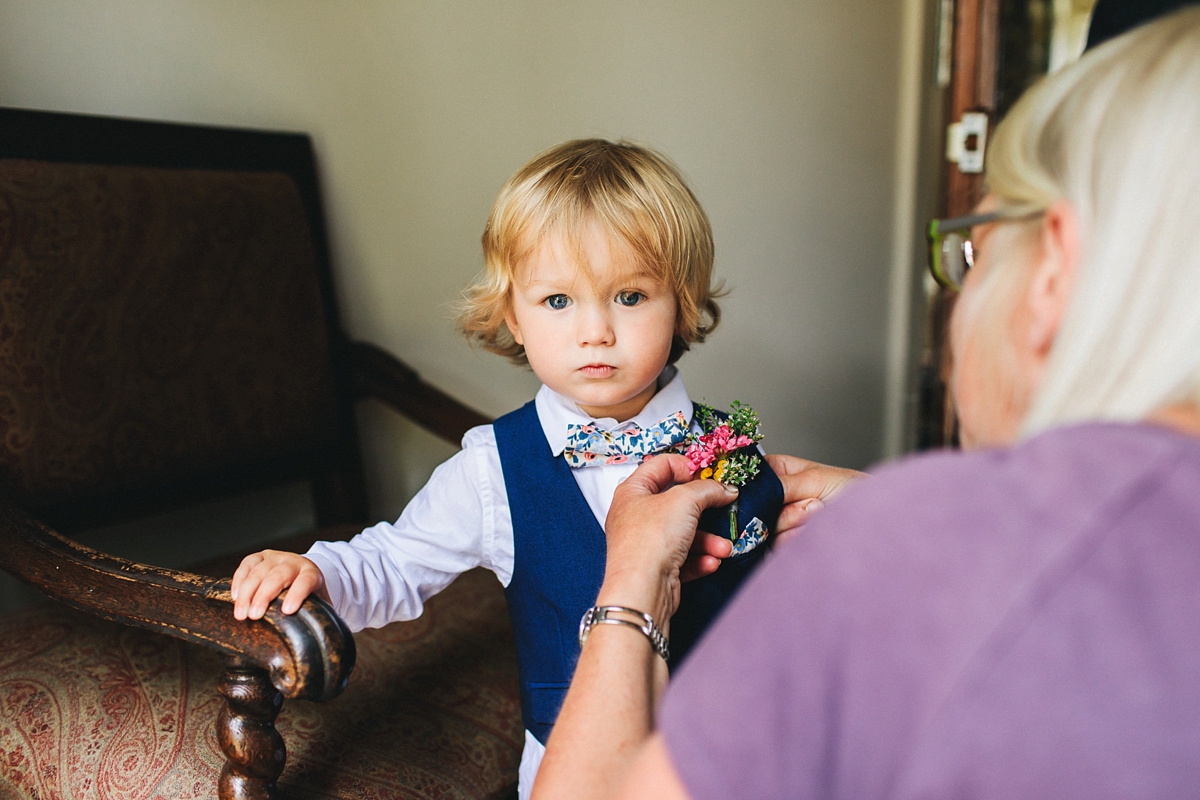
pixel 972 88
pixel 973 74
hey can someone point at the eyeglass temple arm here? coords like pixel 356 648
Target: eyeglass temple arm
pixel 939 226
pixel 960 223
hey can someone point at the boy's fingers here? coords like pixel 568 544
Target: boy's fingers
pixel 253 587
pixel 278 579
pixel 262 577
pixel 298 592
pixel 248 563
pixel 262 599
pixel 246 586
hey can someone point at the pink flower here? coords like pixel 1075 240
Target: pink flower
pixel 713 446
pixel 726 441
pixel 699 456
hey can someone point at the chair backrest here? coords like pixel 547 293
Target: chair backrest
pixel 168 329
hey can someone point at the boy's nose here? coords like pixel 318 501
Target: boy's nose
pixel 595 328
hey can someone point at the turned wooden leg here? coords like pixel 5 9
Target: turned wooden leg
pixel 254 750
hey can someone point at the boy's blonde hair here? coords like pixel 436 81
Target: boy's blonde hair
pixel 635 194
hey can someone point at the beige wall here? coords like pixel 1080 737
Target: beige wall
pixel 782 114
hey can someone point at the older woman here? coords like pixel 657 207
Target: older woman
pixel 1019 620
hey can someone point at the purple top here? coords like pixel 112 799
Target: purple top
pixel 1011 623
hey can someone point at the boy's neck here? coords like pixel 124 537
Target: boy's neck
pixel 625 411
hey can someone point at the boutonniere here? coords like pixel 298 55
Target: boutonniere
pixel 714 453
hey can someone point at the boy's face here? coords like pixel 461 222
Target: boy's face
pixel 600 338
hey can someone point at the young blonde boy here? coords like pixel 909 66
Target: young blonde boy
pixel 598 276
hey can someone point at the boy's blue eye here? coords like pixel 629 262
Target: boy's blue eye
pixel 630 298
pixel 557 301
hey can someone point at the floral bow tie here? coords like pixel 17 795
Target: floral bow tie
pixel 591 446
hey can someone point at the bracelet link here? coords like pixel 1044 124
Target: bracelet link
pixel 602 615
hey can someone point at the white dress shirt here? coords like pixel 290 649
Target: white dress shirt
pixel 460 520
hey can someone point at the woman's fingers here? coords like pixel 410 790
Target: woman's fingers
pixel 711 544
pixel 651 529
pixel 659 473
pixel 803 480
pixel 796 514
pixel 653 504
pixel 705 556
pixel 807 486
pixel 698 566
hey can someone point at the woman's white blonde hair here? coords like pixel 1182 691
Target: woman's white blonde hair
pixel 1117 135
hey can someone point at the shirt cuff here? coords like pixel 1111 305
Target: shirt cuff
pixel 331 575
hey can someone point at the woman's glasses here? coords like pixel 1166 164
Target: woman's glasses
pixel 951 253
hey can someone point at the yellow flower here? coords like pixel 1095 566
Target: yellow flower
pixel 720 473
pixel 706 473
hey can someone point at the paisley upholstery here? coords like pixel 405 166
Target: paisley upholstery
pixel 156 325
pixel 96 710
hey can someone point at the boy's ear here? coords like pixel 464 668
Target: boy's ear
pixel 510 319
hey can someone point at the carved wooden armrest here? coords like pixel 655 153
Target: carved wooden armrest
pixel 377 373
pixel 307 655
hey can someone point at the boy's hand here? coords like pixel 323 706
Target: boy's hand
pixel 262 576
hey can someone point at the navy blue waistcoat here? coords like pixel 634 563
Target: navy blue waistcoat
pixel 559 554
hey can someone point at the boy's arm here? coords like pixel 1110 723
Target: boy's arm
pixel 459 520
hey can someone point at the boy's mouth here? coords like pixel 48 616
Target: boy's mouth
pixel 597 370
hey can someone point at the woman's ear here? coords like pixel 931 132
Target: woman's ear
pixel 1053 276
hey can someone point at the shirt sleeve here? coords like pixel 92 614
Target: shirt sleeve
pixel 387 572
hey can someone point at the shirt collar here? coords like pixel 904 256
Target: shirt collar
pixel 556 411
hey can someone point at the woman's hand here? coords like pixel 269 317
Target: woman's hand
pixel 262 576
pixel 652 539
pixel 609 710
pixel 807 486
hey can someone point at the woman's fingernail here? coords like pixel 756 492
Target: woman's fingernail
pixel 730 489
pixel 814 505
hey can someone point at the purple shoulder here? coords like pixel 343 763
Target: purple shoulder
pixel 945 493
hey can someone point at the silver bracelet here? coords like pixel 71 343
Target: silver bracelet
pixel 600 615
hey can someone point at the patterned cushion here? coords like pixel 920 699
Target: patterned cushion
pixel 92 709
